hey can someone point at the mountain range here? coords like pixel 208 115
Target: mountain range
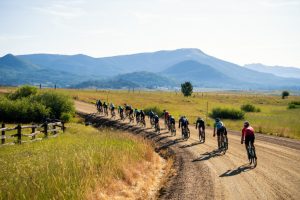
pixel 288 72
pixel 145 70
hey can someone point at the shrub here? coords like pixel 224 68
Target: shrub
pixel 249 108
pixel 155 109
pixel 294 104
pixel 22 110
pixel 57 103
pixel 226 113
pixel 24 91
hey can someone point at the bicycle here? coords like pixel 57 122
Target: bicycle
pixel 143 122
pixel 105 112
pixel 185 133
pixel 113 114
pixel 131 118
pixel 173 130
pixel 152 122
pixel 201 135
pixel 100 110
pixel 138 120
pixel 122 116
pixel 252 154
pixel 157 128
pixel 223 143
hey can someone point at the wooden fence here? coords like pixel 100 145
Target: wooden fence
pixel 45 128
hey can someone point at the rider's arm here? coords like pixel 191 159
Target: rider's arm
pixel 243 135
pixel 197 124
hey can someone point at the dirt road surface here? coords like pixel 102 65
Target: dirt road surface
pixel 204 173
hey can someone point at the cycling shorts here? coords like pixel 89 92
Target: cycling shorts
pixel 249 138
pixel 221 131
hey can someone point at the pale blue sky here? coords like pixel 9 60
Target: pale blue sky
pixel 240 31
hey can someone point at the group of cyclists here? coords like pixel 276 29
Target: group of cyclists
pixel 220 130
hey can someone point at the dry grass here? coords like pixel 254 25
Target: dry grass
pixel 76 165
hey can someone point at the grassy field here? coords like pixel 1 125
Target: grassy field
pixel 274 118
pixel 70 166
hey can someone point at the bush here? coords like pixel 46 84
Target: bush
pixel 22 110
pixel 294 104
pixel 226 113
pixel 57 103
pixel 24 91
pixel 26 105
pixel 155 109
pixel 249 108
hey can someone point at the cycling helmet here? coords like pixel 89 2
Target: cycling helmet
pixel 218 119
pixel 199 118
pixel 246 124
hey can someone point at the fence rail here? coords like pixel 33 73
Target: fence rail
pixel 36 129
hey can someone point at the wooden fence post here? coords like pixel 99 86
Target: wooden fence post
pixel 33 131
pixel 63 126
pixel 3 135
pixel 46 129
pixel 19 133
pixel 54 132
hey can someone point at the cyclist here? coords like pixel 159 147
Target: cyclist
pixel 127 109
pixel 172 122
pixel 200 124
pixel 220 129
pixel 112 110
pixel 105 106
pixel 131 117
pixel 248 135
pixel 143 117
pixel 156 122
pixel 166 117
pixel 137 115
pixel 121 112
pixel 183 123
pixel 151 116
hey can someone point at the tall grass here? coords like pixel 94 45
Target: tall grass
pixel 67 167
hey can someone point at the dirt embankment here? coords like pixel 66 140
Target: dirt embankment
pixel 203 173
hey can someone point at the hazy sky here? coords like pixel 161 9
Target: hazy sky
pixel 240 31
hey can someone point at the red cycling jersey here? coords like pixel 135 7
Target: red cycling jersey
pixel 247 131
pixel 166 115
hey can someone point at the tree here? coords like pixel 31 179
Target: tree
pixel 285 94
pixel 186 89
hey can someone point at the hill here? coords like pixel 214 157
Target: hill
pixel 130 80
pixel 16 71
pixel 288 72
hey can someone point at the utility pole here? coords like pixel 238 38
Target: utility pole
pixel 206 111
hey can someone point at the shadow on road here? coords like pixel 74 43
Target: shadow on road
pixel 208 155
pixel 170 143
pixel 190 145
pixel 240 169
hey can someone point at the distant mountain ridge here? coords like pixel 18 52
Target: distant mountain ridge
pixel 175 65
pixel 287 72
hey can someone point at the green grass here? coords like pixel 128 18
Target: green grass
pixel 274 118
pixel 66 167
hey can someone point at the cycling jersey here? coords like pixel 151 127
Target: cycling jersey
pixel 142 114
pixel 200 124
pixel 172 120
pixel 156 119
pixel 218 125
pixel 166 115
pixel 249 131
pixel 183 122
